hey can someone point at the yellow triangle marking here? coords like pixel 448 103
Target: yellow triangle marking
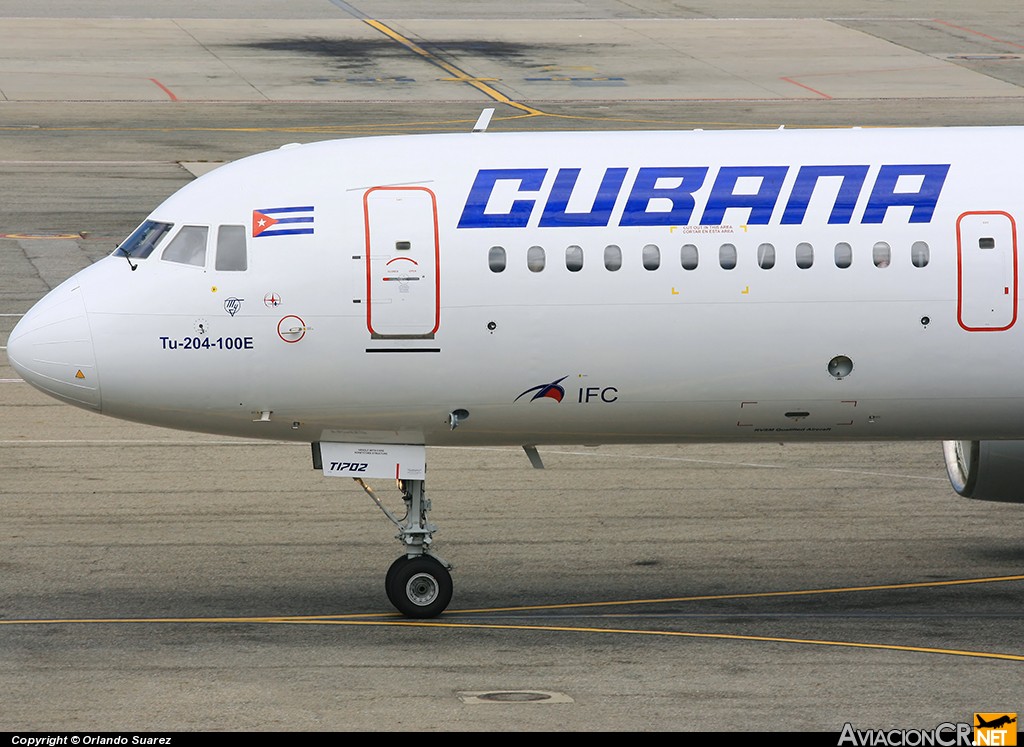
pixel 79 375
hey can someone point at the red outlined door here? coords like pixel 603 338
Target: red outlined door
pixel 986 253
pixel 402 258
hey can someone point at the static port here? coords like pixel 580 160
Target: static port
pixel 840 366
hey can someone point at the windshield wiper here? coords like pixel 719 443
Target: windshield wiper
pixel 128 257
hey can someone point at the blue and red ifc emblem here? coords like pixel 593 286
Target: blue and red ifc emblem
pixel 282 221
pixel 549 391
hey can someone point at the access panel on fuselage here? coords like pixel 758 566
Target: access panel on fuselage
pixel 986 271
pixel 402 259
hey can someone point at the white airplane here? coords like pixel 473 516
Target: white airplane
pixel 376 296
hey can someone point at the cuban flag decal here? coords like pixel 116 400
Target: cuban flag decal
pixel 282 221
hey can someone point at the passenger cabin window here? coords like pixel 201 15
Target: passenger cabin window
pixel 496 259
pixel 986 243
pixel 804 255
pixel 844 255
pixel 689 257
pixel 231 253
pixel 727 256
pixel 535 258
pixel 881 254
pixel 188 247
pixel 919 254
pixel 651 257
pixel 144 239
pixel 766 256
pixel 612 258
pixel 574 258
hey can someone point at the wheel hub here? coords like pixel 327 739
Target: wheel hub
pixel 422 589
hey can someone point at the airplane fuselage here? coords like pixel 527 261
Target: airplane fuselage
pixel 567 288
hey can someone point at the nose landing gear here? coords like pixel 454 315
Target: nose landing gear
pixel 418 583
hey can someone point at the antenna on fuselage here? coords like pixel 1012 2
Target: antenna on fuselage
pixel 483 120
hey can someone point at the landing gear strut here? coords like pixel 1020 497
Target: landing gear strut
pixel 418 583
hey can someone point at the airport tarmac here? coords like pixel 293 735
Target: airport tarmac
pixel 159 580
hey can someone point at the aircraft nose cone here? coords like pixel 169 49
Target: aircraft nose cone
pixel 51 348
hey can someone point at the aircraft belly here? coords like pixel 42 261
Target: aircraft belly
pixel 702 373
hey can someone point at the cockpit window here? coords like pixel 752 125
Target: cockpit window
pixel 188 247
pixel 231 253
pixel 144 239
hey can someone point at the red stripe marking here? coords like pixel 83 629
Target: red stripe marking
pixel 165 89
pixel 812 90
pixel 978 33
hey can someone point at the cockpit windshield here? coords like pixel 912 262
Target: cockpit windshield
pixel 144 239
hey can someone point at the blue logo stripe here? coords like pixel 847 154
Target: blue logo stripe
pixel 304 219
pixel 284 232
pixel 268 211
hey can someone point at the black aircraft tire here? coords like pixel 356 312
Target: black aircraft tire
pixel 419 587
pixel 389 579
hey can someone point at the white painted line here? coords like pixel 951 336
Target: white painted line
pixel 122 441
pixel 78 163
pixel 198 168
pixel 12 381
